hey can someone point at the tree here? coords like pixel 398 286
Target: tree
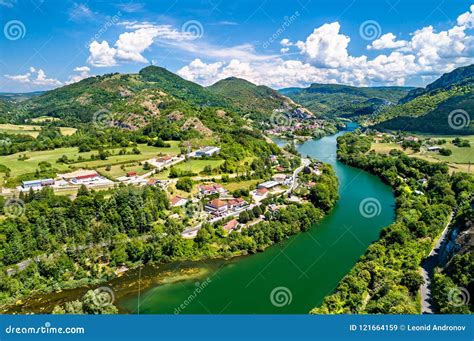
pixel 185 184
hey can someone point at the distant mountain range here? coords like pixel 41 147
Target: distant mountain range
pixel 334 100
pixel 136 99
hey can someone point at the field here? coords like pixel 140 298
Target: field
pixel 31 130
pixel 194 166
pixel 18 167
pixel 42 119
pixel 459 160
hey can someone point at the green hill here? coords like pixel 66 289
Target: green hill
pixel 249 97
pixel 334 100
pixel 132 98
pixel 443 107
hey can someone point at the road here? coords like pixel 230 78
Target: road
pixel 192 232
pixel 427 271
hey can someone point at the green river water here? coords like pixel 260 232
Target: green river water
pixel 303 269
pixel 309 265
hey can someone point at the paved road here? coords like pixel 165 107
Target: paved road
pixel 427 271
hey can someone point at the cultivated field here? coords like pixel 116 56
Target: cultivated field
pixel 31 130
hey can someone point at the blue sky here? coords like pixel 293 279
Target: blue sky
pixel 49 43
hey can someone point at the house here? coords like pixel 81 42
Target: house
pixel 207 151
pixel 235 204
pixel 216 207
pixel 279 177
pixel 165 159
pixel 423 181
pixel 417 192
pixel 231 225
pixel 261 192
pixel 211 189
pixel 178 201
pixel 280 169
pixel 268 184
pixel 411 139
pixel 131 174
pixel 434 149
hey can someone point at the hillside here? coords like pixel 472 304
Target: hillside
pixel 249 97
pixel 443 107
pixel 132 99
pixel 330 100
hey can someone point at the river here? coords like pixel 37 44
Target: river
pixel 306 267
pixel 303 269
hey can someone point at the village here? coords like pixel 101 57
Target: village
pixel 208 202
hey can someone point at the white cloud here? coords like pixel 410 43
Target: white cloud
pixel 83 73
pixel 467 19
pixel 326 58
pixel 101 54
pixel 387 41
pixel 40 79
pixel 20 78
pixel 131 45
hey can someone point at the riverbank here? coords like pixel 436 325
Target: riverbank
pixel 387 278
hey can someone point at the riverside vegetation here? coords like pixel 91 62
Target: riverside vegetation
pixel 387 278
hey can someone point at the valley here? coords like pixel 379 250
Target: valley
pixel 152 172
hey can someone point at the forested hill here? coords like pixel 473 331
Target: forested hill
pixel 137 99
pixel 132 98
pixel 330 100
pixel 249 97
pixel 444 106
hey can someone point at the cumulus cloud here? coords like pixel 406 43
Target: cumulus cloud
pixel 131 45
pixel 467 19
pixel 324 57
pixel 387 41
pixel 34 77
pixel 83 72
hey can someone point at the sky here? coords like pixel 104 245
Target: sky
pixel 46 44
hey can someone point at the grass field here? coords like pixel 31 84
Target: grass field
pixel 117 171
pixel 34 158
pixel 458 161
pixel 31 130
pixel 232 186
pixel 195 166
